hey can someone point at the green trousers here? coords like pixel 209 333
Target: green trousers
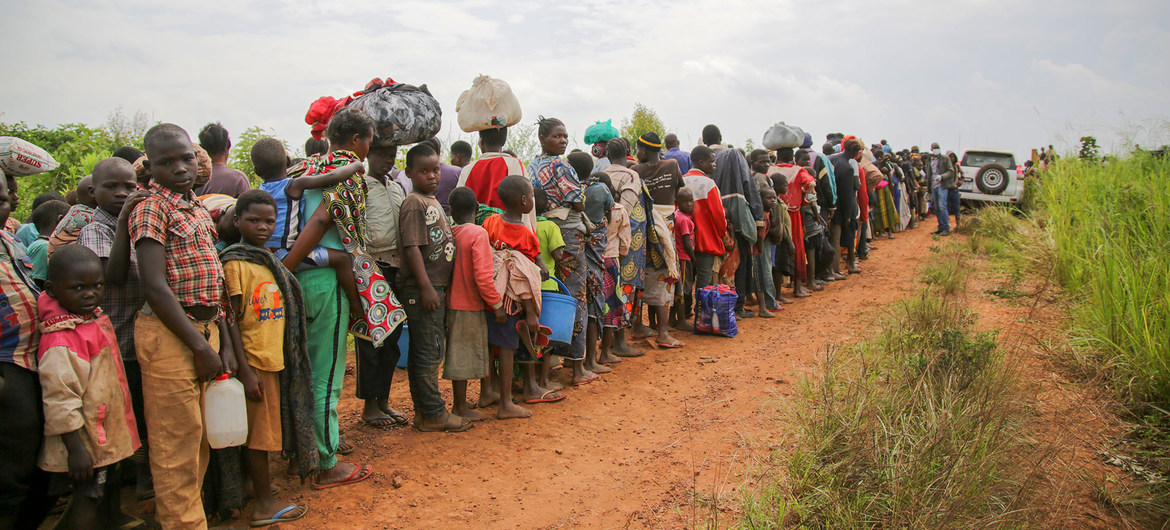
pixel 325 311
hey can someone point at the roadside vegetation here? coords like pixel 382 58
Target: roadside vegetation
pixel 920 426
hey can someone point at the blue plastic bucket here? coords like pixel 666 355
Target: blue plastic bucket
pixel 403 346
pixel 557 312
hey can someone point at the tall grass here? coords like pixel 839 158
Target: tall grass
pixel 1111 231
pixel 917 427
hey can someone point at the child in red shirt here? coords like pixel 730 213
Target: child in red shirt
pixel 509 231
pixel 473 301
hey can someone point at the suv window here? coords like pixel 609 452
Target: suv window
pixel 978 159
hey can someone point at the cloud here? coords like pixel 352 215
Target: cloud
pixel 963 72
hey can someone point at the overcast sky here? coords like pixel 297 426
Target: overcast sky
pixel 972 73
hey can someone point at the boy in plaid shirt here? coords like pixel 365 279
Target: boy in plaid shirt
pixel 177 333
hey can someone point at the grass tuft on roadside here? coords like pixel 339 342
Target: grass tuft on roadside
pixel 916 427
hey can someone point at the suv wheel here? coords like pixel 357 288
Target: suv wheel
pixel 992 179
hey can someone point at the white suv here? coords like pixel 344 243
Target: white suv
pixel 990 175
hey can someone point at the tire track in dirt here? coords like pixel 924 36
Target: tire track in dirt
pixel 660 442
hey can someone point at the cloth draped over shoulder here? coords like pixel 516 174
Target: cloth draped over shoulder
pixel 741 198
pixel 296 380
pixel 516 277
pixel 346 202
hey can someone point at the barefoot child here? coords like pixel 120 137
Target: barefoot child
pixel 428 255
pixel 684 233
pixel 261 291
pixel 519 273
pixel 89 421
pixel 177 334
pixel 761 251
pixel 617 245
pixel 599 203
pixel 552 253
pixel 473 297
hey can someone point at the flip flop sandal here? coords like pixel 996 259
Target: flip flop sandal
pixel 542 335
pixel 398 417
pixel 670 345
pixel 545 399
pixel 279 517
pixel 360 473
pixel 595 377
pixel 525 335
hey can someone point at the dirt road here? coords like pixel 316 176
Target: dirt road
pixel 660 442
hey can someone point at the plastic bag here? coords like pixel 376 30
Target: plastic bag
pixel 488 104
pixel 602 131
pixel 20 158
pixel 403 114
pixel 715 311
pixel 782 135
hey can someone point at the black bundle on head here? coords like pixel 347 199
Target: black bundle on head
pixel 346 124
pixel 68 258
pixel 463 202
pixel 512 189
pixel 544 126
pixel 214 139
pixel 418 151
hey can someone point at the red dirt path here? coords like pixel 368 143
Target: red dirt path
pixel 661 442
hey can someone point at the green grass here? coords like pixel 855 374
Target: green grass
pixel 1110 228
pixel 920 427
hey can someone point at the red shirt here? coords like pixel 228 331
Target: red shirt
pixel 683 226
pixel 796 186
pixel 473 286
pixel 516 236
pixel 710 219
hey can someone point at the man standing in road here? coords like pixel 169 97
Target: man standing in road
pixel 942 185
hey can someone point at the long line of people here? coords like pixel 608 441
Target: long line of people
pixel 120 308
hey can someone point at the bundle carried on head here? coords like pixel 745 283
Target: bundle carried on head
pixel 602 131
pixel 488 104
pixel 782 135
pixel 403 114
pixel 19 158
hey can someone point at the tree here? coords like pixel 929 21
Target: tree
pixel 241 158
pixel 76 147
pixel 522 140
pixel 641 121
pixel 1089 152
